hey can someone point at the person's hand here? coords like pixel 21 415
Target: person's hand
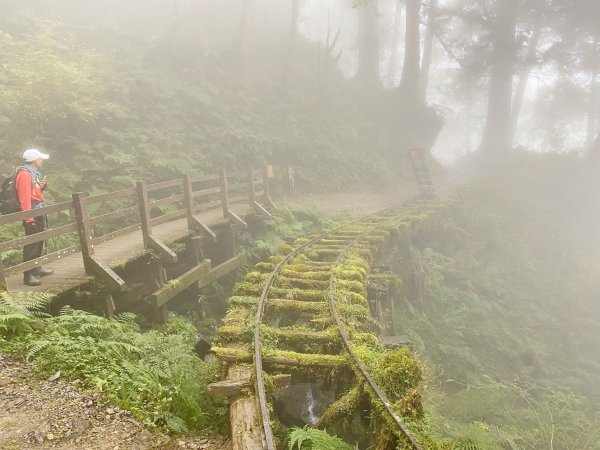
pixel 30 227
pixel 43 184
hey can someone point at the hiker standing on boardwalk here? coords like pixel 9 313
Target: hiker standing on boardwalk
pixel 30 188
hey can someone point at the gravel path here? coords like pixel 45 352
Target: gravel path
pixel 42 414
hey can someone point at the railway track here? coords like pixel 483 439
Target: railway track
pixel 305 310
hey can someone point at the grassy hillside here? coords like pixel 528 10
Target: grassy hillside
pixel 114 97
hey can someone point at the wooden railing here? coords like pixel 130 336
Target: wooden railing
pixel 146 203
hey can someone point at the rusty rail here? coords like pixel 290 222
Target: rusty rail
pixel 258 360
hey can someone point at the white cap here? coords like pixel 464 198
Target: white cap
pixel 33 154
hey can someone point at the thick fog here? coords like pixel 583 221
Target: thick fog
pixel 498 283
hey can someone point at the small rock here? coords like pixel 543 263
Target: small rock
pixel 38 436
pixel 50 436
pixel 54 377
pixel 110 411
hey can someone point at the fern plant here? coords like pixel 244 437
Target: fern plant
pixel 312 439
pixel 19 313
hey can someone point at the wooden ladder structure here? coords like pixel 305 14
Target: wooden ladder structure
pixel 422 174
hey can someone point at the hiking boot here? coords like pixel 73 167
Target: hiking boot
pixel 41 272
pixel 31 280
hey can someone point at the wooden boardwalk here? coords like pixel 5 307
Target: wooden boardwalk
pixel 69 271
pixel 166 212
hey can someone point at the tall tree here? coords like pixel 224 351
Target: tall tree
pixel 243 38
pixel 395 44
pixel 428 48
pixel 592 116
pixel 409 83
pixel 368 44
pixel 531 61
pixel 291 45
pixel 497 132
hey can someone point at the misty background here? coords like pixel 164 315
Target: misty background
pixel 502 291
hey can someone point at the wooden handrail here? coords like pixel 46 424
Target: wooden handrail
pixel 212 191
pixel 24 215
pixel 113 215
pixel 37 237
pixel 164 185
pixel 111 196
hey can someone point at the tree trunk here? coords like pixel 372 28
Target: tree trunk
pixel 530 62
pixel 496 136
pixel 291 45
pixel 368 44
pixel 243 39
pixel 244 417
pixel 393 64
pixel 427 49
pixel 591 114
pixel 409 83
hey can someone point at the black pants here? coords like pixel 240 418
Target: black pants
pixel 33 251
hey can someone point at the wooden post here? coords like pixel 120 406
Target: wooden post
pixel 142 193
pixel 92 264
pixel 158 277
pixel 84 230
pixel 267 187
pixel 251 187
pixel 188 201
pixel 224 193
pixel 150 242
pixel 109 305
pixel 3 285
pixel 193 222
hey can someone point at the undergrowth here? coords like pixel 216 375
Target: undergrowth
pixel 154 374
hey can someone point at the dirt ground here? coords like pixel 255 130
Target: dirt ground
pixel 351 203
pixel 40 414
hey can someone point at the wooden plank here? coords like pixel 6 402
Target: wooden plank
pixel 113 215
pixel 168 217
pixel 224 193
pixel 23 215
pixel 223 269
pixel 166 255
pixel 201 178
pixel 104 272
pixel 206 192
pixel 267 188
pixel 115 234
pixel 168 292
pixel 142 194
pixel 164 184
pixel 228 388
pixel 128 193
pixel 37 237
pixel 188 200
pixel 233 216
pixel 22 267
pixel 3 283
pixel 166 200
pixel 260 209
pixel 201 226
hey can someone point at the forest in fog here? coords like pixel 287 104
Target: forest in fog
pixel 298 82
pixel 498 284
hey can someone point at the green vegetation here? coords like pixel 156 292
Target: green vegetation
pixel 494 289
pixel 154 374
pixel 311 439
